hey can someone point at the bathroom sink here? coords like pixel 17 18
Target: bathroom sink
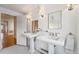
pixel 30 35
pixel 55 41
pixel 55 38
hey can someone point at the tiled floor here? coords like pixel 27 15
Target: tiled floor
pixel 16 49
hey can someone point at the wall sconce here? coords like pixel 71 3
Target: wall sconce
pixel 28 16
pixel 42 11
pixel 42 16
pixel 70 6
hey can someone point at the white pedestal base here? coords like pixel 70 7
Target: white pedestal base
pixel 50 49
pixel 32 49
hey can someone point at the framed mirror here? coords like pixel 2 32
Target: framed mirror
pixel 55 20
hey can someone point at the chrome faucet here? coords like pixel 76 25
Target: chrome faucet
pixel 54 34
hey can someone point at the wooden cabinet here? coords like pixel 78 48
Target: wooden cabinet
pixel 9 41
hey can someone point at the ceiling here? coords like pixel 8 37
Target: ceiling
pixel 26 8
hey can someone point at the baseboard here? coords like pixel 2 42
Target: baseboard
pixel 21 45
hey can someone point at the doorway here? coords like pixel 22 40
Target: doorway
pixel 9 30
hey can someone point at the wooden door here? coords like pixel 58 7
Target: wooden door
pixel 34 25
pixel 8 38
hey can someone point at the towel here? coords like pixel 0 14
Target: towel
pixel 69 44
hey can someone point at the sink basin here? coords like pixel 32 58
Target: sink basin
pixel 55 41
pixel 55 38
pixel 30 35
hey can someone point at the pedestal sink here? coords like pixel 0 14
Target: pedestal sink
pixel 51 42
pixel 31 36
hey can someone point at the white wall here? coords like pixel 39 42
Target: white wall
pixel 20 29
pixel 72 25
pixel 77 29
pixel 69 23
pixel 77 34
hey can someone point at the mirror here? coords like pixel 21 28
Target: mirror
pixel 55 20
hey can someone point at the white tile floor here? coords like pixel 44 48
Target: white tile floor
pixel 16 49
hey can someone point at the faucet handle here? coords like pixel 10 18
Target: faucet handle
pixel 50 33
pixel 56 34
pixel 53 34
